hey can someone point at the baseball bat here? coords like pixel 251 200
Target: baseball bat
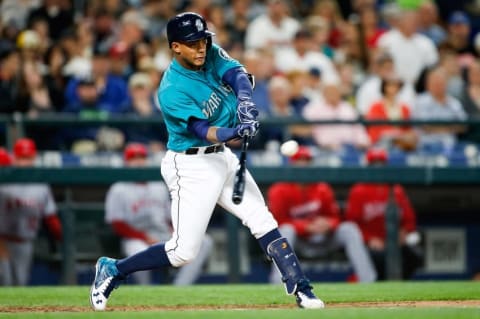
pixel 239 182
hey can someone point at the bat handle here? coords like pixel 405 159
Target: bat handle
pixel 239 182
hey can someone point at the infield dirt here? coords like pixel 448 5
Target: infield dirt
pixel 397 304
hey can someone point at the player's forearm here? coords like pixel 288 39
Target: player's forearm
pixel 54 226
pixel 212 134
pixel 124 230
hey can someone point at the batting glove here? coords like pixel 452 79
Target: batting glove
pixel 247 111
pixel 248 129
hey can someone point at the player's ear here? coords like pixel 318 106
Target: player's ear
pixel 176 47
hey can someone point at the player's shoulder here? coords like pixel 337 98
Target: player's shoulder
pixel 120 187
pixel 37 187
pixel 360 188
pixel 218 53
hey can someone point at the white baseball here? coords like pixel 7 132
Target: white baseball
pixel 289 148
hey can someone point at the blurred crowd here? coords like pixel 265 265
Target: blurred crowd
pixel 313 60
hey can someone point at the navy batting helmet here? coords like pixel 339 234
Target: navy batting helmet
pixel 187 27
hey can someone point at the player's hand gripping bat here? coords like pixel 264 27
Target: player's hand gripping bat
pixel 239 182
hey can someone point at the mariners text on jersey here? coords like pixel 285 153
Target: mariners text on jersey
pixel 201 94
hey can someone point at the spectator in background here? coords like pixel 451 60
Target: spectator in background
pixel 449 62
pixel 460 38
pixel 55 80
pixel 408 47
pixel 58 14
pixel 15 13
pixel 280 90
pixel 142 93
pixel 237 17
pixel 40 27
pixel 120 59
pixel 436 104
pixel 132 28
pixel 22 209
pixel 34 97
pixel 77 63
pixel 301 56
pixel 298 80
pixel 367 205
pixel 9 67
pixel 428 21
pixel 260 64
pixel 335 136
pixel 369 91
pixel 140 214
pixel 369 25
pixel 309 218
pixel 389 108
pixel 112 91
pixel 85 40
pixel 470 100
pixel 329 10
pixel 218 25
pixel 313 87
pixel 104 27
pixel 320 30
pixel 89 106
pixel 273 29
pixel 29 47
pixel 156 14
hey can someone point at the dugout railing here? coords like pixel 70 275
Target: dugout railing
pixel 67 177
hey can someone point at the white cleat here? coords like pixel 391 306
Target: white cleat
pixel 305 296
pixel 107 278
pixel 309 302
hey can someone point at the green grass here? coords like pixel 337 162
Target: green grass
pixel 243 296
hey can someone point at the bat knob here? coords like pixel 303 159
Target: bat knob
pixel 236 200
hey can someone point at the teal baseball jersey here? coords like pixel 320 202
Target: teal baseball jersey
pixel 199 94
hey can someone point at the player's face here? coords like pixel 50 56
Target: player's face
pixel 191 55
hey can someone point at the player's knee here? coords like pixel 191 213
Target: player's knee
pixel 179 258
pixel 261 223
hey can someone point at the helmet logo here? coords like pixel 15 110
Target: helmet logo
pixel 199 25
pixel 186 23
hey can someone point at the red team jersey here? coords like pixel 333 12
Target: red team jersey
pixel 296 204
pixel 367 204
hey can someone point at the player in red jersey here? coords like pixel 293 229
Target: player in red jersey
pixel 309 217
pixel 366 206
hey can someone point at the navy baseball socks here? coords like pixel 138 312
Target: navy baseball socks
pixel 284 258
pixel 109 272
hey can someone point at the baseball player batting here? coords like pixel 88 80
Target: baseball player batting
pixel 140 214
pixel 22 208
pixel 205 97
